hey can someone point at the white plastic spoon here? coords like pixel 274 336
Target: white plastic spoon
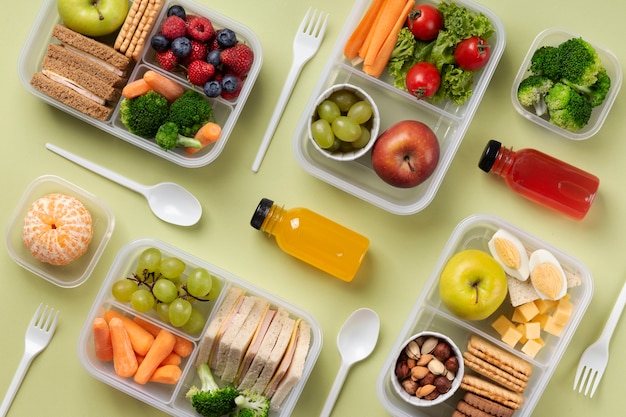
pixel 168 201
pixel 356 341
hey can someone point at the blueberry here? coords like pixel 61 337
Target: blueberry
pixel 159 43
pixel 177 11
pixel 181 47
pixel 212 88
pixel 214 58
pixel 226 38
pixel 230 83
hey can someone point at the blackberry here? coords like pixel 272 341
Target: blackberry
pixel 230 83
pixel 181 47
pixel 214 58
pixel 160 43
pixel 212 88
pixel 177 11
pixel 226 38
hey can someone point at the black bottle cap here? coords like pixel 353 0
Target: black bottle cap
pixel 261 212
pixel 489 155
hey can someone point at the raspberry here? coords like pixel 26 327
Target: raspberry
pixel 198 52
pixel 174 27
pixel 200 28
pixel 238 59
pixel 167 60
pixel 199 72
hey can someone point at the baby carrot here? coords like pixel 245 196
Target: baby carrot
pixel 162 346
pixel 384 27
pixel 136 88
pixel 166 374
pixel 102 340
pixel 170 89
pixel 356 40
pixel 183 347
pixel 172 359
pixel 207 134
pixel 124 360
pixel 140 338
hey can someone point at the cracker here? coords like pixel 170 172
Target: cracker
pixel 144 7
pixel 521 292
pixel 491 391
pixel 488 406
pixel 498 357
pixel 143 30
pixel 470 410
pixel 127 25
pixel 493 372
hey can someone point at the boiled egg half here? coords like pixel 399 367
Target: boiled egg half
pixel 509 251
pixel 547 275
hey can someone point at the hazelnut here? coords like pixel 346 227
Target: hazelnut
pixel 442 351
pixel 443 384
pixel 452 364
pixel 432 395
pixel 409 386
pixel 402 370
pixel 419 372
pixel 428 379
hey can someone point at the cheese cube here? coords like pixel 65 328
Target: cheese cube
pixel 526 311
pixel 522 329
pixel 532 347
pixel 542 319
pixel 502 324
pixel 511 336
pixel 545 306
pixel 563 312
pixel 552 327
pixel 532 330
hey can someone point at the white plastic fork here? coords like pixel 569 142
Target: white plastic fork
pixel 305 45
pixel 595 358
pixel 38 336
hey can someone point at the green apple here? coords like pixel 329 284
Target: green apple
pixel 472 284
pixel 93 17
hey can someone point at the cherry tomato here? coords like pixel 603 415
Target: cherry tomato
pixel 472 53
pixel 425 21
pixel 422 80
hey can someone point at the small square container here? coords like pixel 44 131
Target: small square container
pixel 553 37
pixel 429 314
pixel 226 112
pixel 448 121
pixel 78 271
pixel 171 398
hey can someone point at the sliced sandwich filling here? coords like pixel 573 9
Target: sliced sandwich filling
pixel 74 86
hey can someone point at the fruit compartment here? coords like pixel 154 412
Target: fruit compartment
pixel 227 112
pixel 448 121
pixel 171 399
pixel 428 313
pixel 77 272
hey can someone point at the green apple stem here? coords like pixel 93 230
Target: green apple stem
pixel 95 5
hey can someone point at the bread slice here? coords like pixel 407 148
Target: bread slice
pixel 102 54
pixel 70 97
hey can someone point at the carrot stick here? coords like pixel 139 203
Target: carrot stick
pixel 124 360
pixel 383 28
pixel 140 338
pixel 207 134
pixel 170 89
pixel 377 65
pixel 102 340
pixel 172 359
pixel 183 347
pixel 162 346
pixel 372 30
pixel 136 88
pixel 356 40
pixel 166 374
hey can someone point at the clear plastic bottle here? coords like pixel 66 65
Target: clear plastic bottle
pixel 312 238
pixel 542 178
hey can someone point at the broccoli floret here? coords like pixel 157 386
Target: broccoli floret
pixel 532 91
pixel 190 112
pixel 167 137
pixel 579 61
pixel 568 109
pixel 251 404
pixel 595 93
pixel 210 400
pixel 545 61
pixel 143 115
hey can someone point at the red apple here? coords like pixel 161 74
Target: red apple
pixel 405 154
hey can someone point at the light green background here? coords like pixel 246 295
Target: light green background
pixel 403 249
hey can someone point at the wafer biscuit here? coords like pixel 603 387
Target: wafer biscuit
pixel 491 391
pixel 506 361
pixel 488 406
pixel 494 372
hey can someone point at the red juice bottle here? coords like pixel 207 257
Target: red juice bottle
pixel 542 178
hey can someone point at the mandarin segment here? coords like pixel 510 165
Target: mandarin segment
pixel 57 229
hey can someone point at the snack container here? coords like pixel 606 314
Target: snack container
pixel 226 112
pixel 447 120
pixel 171 398
pixel 429 314
pixel 78 271
pixel 553 37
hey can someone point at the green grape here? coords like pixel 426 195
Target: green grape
pixel 216 288
pixel 328 110
pixel 179 312
pixel 363 140
pixel 172 267
pixel 346 129
pixel 149 260
pixel 123 289
pixel 344 99
pixel 199 282
pixel 165 290
pixel 142 300
pixel 360 112
pixel 196 322
pixel 322 133
pixel 163 311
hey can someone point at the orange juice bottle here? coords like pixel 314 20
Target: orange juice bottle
pixel 312 238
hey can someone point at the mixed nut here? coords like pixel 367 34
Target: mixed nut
pixel 426 367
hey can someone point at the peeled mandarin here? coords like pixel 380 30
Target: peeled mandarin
pixel 57 229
